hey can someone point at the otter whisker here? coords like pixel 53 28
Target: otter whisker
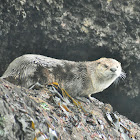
pixel 122 75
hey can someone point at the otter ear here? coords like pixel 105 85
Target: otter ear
pixel 101 59
pixel 98 61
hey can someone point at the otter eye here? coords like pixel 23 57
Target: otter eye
pixel 105 66
pixel 98 63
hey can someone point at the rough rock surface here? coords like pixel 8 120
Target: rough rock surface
pixel 76 30
pixel 36 115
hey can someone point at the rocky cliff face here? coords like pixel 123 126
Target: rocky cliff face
pixel 77 30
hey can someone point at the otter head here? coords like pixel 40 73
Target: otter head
pixel 107 71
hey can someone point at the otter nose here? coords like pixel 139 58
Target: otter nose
pixel 113 69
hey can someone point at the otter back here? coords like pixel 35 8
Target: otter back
pixel 29 69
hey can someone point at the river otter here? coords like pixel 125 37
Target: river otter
pixel 77 78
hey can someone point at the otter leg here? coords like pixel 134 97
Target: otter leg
pixel 90 98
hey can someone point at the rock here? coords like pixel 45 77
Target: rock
pixel 36 114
